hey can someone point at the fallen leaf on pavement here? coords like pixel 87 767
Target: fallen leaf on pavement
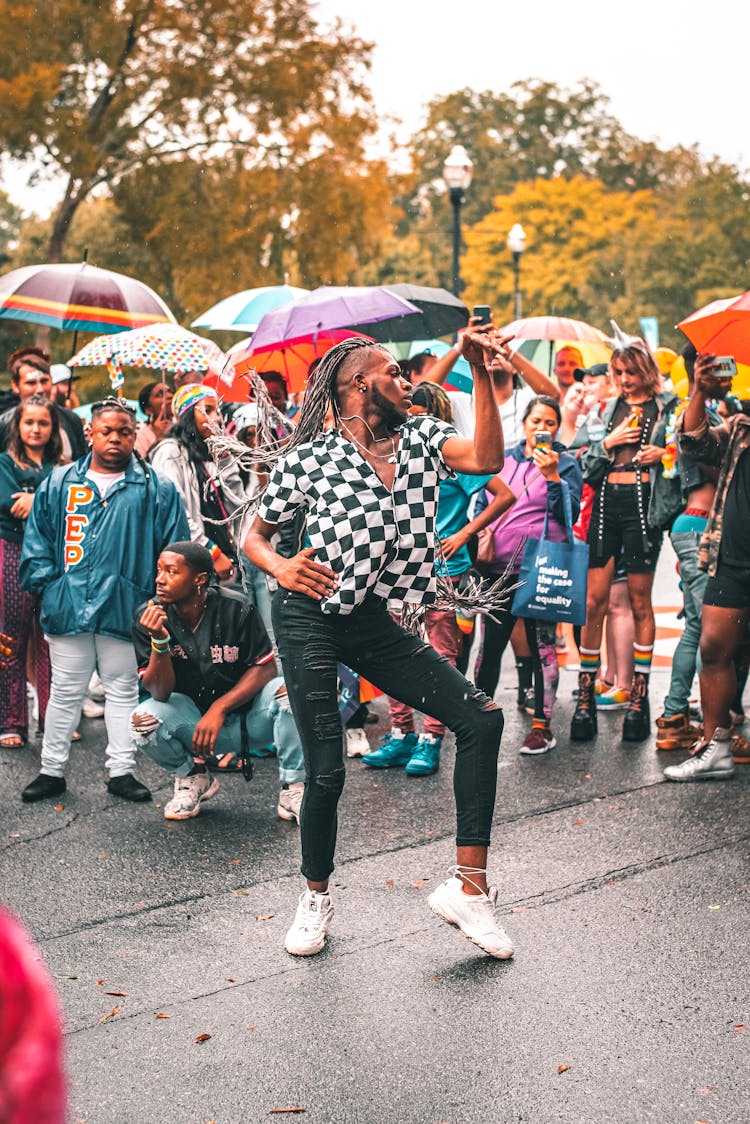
pixel 100 982
pixel 104 854
pixel 231 979
pixel 739 1026
pixel 389 883
pixel 202 1038
pixel 110 1014
pixel 162 1015
pixel 241 893
pixel 294 1108
pixel 518 909
pixel 578 823
pixel 122 993
pixel 436 979
pixel 61 976
pixel 263 916
pixel 563 1068
pixel 59 807
pixel 708 1089
pixel 418 883
pixel 235 861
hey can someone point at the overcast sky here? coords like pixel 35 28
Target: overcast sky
pixel 676 72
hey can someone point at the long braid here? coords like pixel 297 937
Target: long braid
pixel 319 398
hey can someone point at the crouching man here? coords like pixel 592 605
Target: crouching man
pixel 206 661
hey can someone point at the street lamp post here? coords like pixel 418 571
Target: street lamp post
pixel 516 245
pixel 457 173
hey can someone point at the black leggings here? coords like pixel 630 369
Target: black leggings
pixel 400 664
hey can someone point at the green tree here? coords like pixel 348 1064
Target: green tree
pixel 132 84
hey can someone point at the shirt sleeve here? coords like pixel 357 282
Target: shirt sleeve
pixel 434 433
pixel 284 494
pixel 255 646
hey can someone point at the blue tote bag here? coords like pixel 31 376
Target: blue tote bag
pixel 552 581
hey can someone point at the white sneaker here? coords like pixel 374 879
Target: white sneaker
pixel 90 708
pixel 474 915
pixel 307 934
pixel 95 688
pixel 357 744
pixel 710 761
pixel 189 793
pixel 290 799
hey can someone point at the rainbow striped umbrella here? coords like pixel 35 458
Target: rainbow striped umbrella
pixel 79 297
pixel 164 347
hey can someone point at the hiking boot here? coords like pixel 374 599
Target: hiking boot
pixel 394 749
pixel 290 800
pixel 474 915
pixel 583 726
pixel 307 933
pixel 636 726
pixel 675 732
pixel 538 740
pixel 357 744
pixel 614 698
pixel 740 750
pixel 426 757
pixel 189 793
pixel 708 761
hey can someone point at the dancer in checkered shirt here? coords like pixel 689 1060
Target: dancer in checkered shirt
pixel 368 490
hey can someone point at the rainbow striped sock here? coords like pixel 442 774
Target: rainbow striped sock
pixel 590 660
pixel 642 658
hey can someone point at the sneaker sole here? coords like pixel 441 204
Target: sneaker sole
pixel 456 925
pixel 537 752
pixel 211 791
pixel 713 775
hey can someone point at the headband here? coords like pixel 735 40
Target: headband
pixel 189 395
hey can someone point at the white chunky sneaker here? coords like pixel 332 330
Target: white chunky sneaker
pixel 290 799
pixel 307 934
pixel 474 915
pixel 189 793
pixel 357 744
pixel 709 761
pixel 90 708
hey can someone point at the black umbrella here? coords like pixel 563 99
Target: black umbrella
pixel 440 313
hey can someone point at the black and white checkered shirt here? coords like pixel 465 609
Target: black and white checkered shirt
pixel 375 540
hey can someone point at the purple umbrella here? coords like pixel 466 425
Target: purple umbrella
pixel 372 310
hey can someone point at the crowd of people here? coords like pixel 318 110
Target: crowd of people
pixel 222 593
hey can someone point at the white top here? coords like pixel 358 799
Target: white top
pixel 104 480
pixel 511 413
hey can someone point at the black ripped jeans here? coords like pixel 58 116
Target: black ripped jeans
pixel 402 665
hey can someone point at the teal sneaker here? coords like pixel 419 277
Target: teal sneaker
pixel 426 757
pixel 394 749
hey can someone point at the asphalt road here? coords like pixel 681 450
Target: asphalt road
pixel 627 899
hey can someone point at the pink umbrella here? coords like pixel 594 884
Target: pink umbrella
pixel 553 328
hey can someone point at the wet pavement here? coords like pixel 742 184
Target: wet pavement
pixel 627 898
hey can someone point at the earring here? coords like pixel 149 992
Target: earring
pixel 363 390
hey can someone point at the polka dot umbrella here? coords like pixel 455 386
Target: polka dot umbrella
pixel 163 347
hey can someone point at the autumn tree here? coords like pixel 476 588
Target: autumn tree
pixel 124 86
pixel 585 252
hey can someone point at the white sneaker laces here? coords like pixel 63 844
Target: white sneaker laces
pixel 463 873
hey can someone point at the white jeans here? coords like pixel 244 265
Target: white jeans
pixel 73 660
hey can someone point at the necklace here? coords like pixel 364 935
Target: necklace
pixel 390 457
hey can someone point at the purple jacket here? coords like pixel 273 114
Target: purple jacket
pixel 525 519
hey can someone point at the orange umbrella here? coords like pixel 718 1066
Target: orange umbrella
pixel 722 327
pixel 291 359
